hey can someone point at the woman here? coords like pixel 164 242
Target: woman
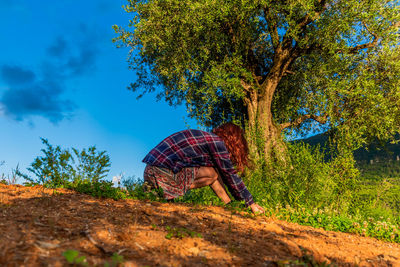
pixel 192 159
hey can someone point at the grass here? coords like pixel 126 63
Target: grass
pixel 384 228
pixel 180 233
pixel 332 195
pixel 74 258
pixel 9 179
pixel 326 219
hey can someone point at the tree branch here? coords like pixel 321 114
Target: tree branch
pixel 303 22
pixel 289 72
pixel 367 45
pixel 245 85
pixel 272 28
pixel 321 119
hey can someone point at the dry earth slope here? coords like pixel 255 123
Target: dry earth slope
pixel 37 225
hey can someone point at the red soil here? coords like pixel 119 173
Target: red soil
pixel 37 225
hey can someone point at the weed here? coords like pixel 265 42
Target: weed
pixel 180 233
pixel 332 220
pixel 116 260
pixel 12 178
pixel 72 257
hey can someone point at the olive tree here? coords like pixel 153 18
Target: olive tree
pixel 274 65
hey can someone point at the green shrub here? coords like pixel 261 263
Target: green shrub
pixel 304 180
pixel 204 195
pixel 59 168
pixel 104 189
pixel 90 165
pixel 137 189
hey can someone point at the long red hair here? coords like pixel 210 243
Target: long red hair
pixel 235 142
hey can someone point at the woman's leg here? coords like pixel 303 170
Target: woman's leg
pixel 209 176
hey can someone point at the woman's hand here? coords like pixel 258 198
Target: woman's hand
pixel 257 209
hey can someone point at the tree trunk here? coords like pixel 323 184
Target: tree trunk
pixel 270 139
pixel 266 140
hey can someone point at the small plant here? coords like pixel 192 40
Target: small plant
pixel 10 178
pixel 332 220
pixel 103 189
pixel 138 189
pixel 116 260
pixel 72 257
pixel 2 178
pixel 180 233
pixel 204 196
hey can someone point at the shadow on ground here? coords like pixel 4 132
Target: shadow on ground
pixel 40 224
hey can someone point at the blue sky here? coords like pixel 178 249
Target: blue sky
pixel 63 79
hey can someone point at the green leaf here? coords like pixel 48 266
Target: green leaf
pixel 169 235
pixel 70 255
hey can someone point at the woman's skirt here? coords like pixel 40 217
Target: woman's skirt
pixel 173 184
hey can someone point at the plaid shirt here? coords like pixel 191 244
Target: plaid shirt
pixel 190 148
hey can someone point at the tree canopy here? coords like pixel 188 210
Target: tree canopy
pixel 273 65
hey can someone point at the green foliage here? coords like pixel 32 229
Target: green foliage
pixel 312 189
pixel 53 169
pixel 103 189
pixel 376 191
pixel 379 190
pixel 379 170
pixel 325 64
pixel 91 165
pixel 72 257
pixel 335 220
pixel 180 233
pixel 306 179
pixel 202 195
pixel 116 260
pixel 59 168
pixel 137 189
pixel 132 188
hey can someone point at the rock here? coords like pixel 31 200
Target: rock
pixel 47 245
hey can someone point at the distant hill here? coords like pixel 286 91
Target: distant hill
pixel 375 152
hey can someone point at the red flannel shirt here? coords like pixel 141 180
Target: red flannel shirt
pixel 190 148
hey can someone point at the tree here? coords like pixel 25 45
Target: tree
pixel 274 65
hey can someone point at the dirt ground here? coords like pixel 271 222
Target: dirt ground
pixel 37 225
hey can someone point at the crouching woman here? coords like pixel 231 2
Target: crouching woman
pixel 192 159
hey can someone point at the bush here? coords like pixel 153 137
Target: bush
pixel 304 180
pixel 59 168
